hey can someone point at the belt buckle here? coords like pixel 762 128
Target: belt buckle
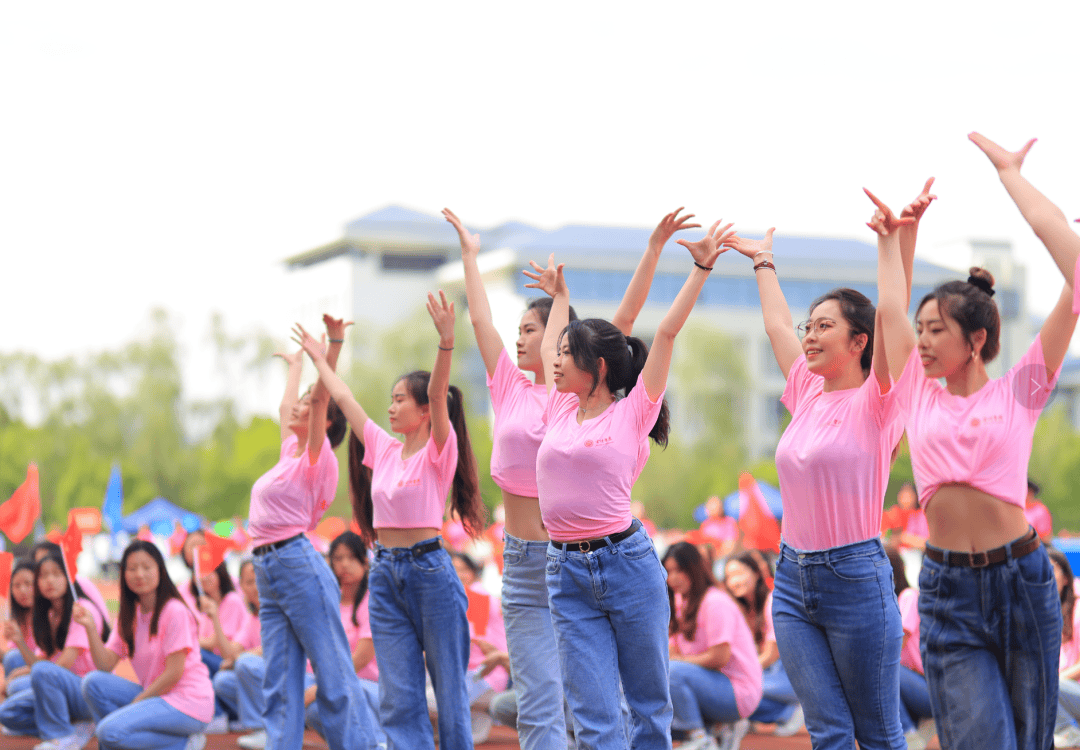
pixel 979 560
pixel 584 546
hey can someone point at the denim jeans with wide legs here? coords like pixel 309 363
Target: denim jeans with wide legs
pixel 13 659
pixel 530 639
pixel 610 611
pixel 300 617
pixel 417 606
pixel 990 640
pixel 700 696
pixel 778 699
pixel 839 633
pixel 58 700
pixel 17 712
pixel 914 699
pixel 371 695
pixel 150 724
pixel 1068 711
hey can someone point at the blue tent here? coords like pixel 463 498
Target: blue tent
pixel 161 516
pixel 731 503
pixel 112 510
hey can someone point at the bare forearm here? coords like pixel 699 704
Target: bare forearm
pixel 908 235
pixel 165 681
pixel 320 393
pixel 684 303
pixel 558 319
pixel 292 389
pixel 487 338
pixel 1050 225
pixel 638 291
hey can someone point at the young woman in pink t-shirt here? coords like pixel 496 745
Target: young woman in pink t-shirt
pixel 714 672
pixel 399 489
pixel 518 403
pixel 990 616
pixel 605 584
pixel 173 700
pixel 833 606
pixel 52 705
pixel 20 620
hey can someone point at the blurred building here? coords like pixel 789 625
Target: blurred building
pixel 387 261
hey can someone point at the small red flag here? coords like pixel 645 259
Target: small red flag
pixel 18 514
pixel 212 554
pixel 759 527
pixel 7 560
pixel 71 543
pixel 479 611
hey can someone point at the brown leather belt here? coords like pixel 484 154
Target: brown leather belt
pixel 1022 546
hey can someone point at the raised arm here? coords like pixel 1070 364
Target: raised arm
pixel 1049 223
pixel 897 338
pixel 909 232
pixel 487 338
pixel 340 392
pixel 295 362
pixel 779 326
pixel 320 396
pixel 551 280
pixel 104 659
pixel 638 290
pixel 1057 331
pixel 439 384
pixel 705 252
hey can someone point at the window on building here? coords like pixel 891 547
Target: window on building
pixel 416 262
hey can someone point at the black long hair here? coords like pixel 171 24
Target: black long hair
pixel 253 607
pixel 753 604
pixel 690 561
pixel 43 632
pixel 225 582
pixel 899 570
pixel 355 544
pixel 166 590
pixel 859 313
pixel 542 307
pixel 20 614
pixel 465 492
pixel 593 338
pixel 969 303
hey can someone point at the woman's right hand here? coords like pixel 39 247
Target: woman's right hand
pixel 1001 159
pixel 470 243
pixel 13 632
pixel 550 279
pixel 751 248
pixel 208 606
pixel 294 358
pixel 307 342
pixel 922 201
pixel 884 222
pixel 81 615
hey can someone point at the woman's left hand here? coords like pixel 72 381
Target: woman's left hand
pixel 335 327
pixel 315 349
pixel 208 606
pixel 442 314
pixel 550 279
pixel 884 222
pixel 706 250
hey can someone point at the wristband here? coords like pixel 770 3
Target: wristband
pixel 445 349
pixel 703 268
pixel 336 341
pixel 765 264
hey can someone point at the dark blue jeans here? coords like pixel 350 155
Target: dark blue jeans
pixel 990 640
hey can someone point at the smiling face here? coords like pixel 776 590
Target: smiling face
pixel 568 377
pixel 22 588
pixel 530 337
pixel 141 573
pixel 829 347
pixel 740 578
pixel 405 414
pixel 678 580
pixel 51 581
pixel 943 348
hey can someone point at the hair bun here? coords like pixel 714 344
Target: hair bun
pixel 982 279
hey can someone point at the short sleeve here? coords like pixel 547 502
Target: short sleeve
pixel 233 614
pixel 76 636
pixel 642 411
pixel 908 602
pixel 444 461
pixel 176 629
pixel 557 404
pixel 116 643
pixel 717 621
pixel 1029 381
pixel 800 385
pixel 376 441
pixel 288 446
pixel 506 380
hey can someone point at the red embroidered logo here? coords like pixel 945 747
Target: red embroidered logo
pixel 599 441
pixel 400 483
pixel 975 422
pixel 588 443
pixel 992 419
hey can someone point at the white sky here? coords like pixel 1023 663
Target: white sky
pixel 168 154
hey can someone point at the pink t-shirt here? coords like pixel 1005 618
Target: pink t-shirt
pixel 354 634
pixel 917 525
pixel 292 497
pixel 232 612
pixel 408 493
pixel 909 618
pixel 193 694
pixel 519 427
pixel 1038 515
pixel 495 634
pixel 719 620
pixel 250 634
pixel 983 440
pixel 724 528
pixel 1070 649
pixel 584 473
pixel 833 460
pixel 28 634
pixel 769 632
pixel 91 590
pixel 78 638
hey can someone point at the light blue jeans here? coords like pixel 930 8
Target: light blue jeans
pixel 997 629
pixel 914 699
pixel 150 724
pixel 839 633
pixel 300 617
pixel 17 712
pixel 1068 703
pixel 12 661
pixel 778 699
pixel 530 639
pixel 240 690
pixel 610 610
pixel 700 696
pixel 58 700
pixel 371 695
pixel 417 606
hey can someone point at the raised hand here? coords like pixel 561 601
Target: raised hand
pixel 81 615
pixel 668 226
pixel 706 250
pixel 470 243
pixel 550 279
pixel 12 631
pixel 999 157
pixel 922 201
pixel 442 314
pixel 315 349
pixel 208 606
pixel 884 222
pixel 291 359
pixel 751 248
pixel 335 327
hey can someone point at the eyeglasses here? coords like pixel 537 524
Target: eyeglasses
pixel 821 326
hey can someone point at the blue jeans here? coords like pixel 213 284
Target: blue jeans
pixel 417 606
pixel 778 699
pixel 530 639
pixel 997 629
pixel 610 611
pixel 17 712
pixel 301 619
pixel 58 700
pixel 700 696
pixel 240 690
pixel 914 699
pixel 371 695
pixel 1068 703
pixel 839 633
pixel 122 725
pixel 12 661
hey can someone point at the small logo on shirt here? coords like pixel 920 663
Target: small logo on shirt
pixel 411 482
pixel 599 441
pixel 992 419
pixel 836 423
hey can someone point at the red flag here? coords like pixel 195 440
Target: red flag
pixel 176 541
pixel 212 553
pixel 18 514
pixel 6 561
pixel 759 527
pixel 479 611
pixel 71 543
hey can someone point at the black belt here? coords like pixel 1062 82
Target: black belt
pixel 590 544
pixel 1021 547
pixel 417 549
pixel 262 549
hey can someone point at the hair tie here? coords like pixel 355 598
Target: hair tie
pixel 981 283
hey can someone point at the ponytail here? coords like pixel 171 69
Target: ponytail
pixel 639 353
pixel 465 494
pixel 360 490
